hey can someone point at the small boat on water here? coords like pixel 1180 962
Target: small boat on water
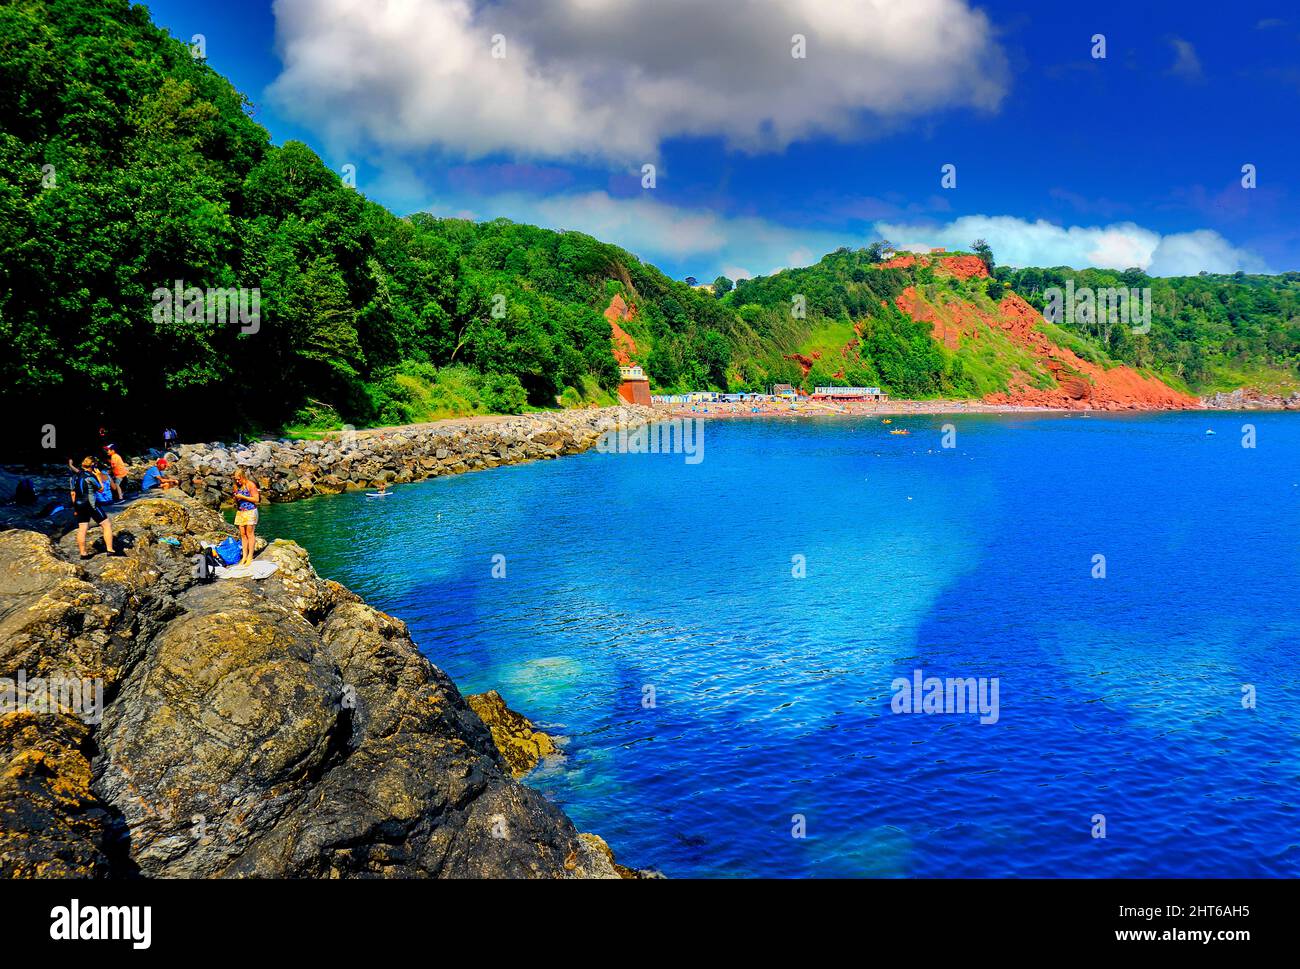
pixel 900 432
pixel 887 421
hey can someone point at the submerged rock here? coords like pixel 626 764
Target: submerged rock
pixel 280 728
pixel 522 746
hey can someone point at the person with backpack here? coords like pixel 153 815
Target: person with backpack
pixel 247 496
pixel 104 497
pixel 84 489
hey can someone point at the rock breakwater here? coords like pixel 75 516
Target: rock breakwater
pixel 290 470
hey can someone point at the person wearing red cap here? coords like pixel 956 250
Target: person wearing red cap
pixel 154 477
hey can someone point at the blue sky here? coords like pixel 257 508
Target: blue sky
pixel 763 159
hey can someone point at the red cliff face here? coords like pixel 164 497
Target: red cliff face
pixel 805 362
pixel 1081 385
pixel 963 267
pixel 948 323
pixel 624 346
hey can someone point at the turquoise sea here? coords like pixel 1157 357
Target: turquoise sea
pixel 720 642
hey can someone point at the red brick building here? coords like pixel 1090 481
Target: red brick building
pixel 635 388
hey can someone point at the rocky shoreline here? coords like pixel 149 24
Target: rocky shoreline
pixel 279 728
pixel 1247 399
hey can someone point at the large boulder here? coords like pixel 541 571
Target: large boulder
pixel 51 823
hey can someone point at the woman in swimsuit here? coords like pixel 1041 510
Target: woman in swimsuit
pixel 246 500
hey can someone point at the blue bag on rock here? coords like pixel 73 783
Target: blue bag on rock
pixel 230 551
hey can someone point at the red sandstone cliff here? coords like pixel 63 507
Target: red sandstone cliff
pixel 617 312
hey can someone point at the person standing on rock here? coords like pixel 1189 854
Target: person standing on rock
pixel 247 497
pixel 117 470
pixel 84 489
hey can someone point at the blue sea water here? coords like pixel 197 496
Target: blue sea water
pixel 629 575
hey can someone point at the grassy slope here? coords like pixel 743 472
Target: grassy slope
pixel 988 357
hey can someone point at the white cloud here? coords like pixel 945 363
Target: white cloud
pixel 699 241
pixel 1187 253
pixel 1186 64
pixel 611 79
pixel 1018 242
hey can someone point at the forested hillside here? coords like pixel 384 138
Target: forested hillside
pixel 1207 333
pixel 130 169
pixel 126 165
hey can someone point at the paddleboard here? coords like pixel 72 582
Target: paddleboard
pixel 257 570
pixel 378 494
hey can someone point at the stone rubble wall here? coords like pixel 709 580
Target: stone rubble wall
pixel 362 460
pixel 1245 399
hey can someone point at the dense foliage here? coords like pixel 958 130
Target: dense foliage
pixel 1207 332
